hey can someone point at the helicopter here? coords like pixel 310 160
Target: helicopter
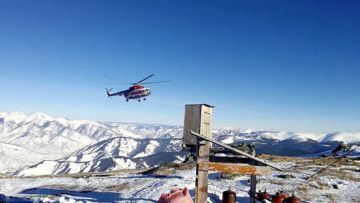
pixel 135 91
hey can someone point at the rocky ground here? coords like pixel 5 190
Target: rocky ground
pixel 316 179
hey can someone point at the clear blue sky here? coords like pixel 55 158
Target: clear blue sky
pixel 278 65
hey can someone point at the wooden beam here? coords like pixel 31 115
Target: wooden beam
pixel 235 150
pixel 236 168
pixel 234 159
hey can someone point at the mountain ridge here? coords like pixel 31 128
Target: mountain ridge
pixel 56 140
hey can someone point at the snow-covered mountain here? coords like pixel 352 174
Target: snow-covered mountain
pixel 45 136
pixel 112 154
pixel 59 145
pixel 50 145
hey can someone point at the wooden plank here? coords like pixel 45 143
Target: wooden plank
pixel 234 159
pixel 235 150
pixel 236 168
pixel 205 129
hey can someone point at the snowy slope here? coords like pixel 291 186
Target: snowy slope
pixel 1 125
pixel 13 157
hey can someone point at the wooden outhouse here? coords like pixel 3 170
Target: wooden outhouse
pixel 197 119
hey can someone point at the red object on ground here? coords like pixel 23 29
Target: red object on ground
pixel 176 196
pixel 293 199
pixel 263 195
pixel 278 199
pixel 229 196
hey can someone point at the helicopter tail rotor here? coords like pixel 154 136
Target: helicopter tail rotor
pixel 108 91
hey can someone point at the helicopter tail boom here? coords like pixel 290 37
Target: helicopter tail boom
pixel 109 94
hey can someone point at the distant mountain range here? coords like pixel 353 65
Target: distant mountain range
pixel 40 144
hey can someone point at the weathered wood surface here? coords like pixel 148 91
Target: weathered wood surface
pixel 191 122
pixel 205 129
pixel 235 159
pixel 235 150
pixel 197 119
pixel 201 189
pixel 253 188
pixel 253 182
pixel 236 168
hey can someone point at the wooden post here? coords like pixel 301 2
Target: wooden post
pixel 198 119
pixel 201 185
pixel 252 183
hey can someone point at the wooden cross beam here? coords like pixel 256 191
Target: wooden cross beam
pixel 234 150
pixel 241 169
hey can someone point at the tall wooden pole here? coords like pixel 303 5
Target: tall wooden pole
pixel 203 152
pixel 252 183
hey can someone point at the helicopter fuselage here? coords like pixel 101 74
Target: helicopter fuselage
pixel 137 92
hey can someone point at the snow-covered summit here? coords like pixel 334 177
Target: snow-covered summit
pixel 341 137
pixel 15 117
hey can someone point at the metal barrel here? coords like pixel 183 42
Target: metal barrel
pixel 229 196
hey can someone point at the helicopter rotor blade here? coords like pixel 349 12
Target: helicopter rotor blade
pixel 156 82
pixel 110 78
pixel 144 79
pixel 117 83
pixel 137 83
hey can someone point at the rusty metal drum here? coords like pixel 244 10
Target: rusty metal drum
pixel 293 199
pixel 263 195
pixel 229 196
pixel 280 197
